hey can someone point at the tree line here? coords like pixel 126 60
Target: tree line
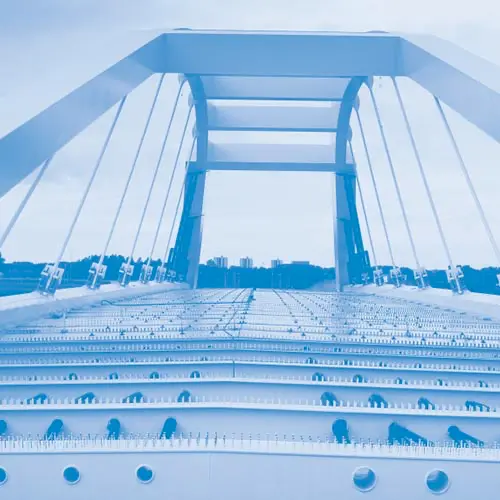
pixel 20 277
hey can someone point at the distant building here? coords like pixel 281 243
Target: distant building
pixel 301 262
pixel 246 262
pixel 221 262
pixel 276 263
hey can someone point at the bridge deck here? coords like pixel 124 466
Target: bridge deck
pixel 243 372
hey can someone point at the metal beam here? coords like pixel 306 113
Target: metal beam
pixel 282 54
pixel 187 248
pixel 273 153
pixel 29 145
pixel 350 257
pixel 467 83
pixel 348 169
pixel 263 118
pixel 274 89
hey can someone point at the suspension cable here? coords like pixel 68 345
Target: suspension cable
pixel 148 198
pixel 165 256
pixel 25 200
pixel 422 174
pixel 87 191
pixel 365 215
pixel 374 182
pixel 393 174
pixel 465 172
pixel 165 201
pixel 130 175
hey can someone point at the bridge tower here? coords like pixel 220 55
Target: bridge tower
pixel 263 108
pixel 262 85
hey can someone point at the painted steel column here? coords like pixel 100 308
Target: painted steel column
pixel 341 230
pixel 196 214
pixel 190 227
pixel 347 253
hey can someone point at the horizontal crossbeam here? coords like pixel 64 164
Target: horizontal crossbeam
pixel 268 118
pixel 282 54
pixel 272 167
pixel 274 89
pixel 273 153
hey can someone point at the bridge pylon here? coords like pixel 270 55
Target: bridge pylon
pixel 275 89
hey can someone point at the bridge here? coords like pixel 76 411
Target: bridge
pixel 154 387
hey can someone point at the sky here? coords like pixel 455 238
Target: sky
pixel 49 48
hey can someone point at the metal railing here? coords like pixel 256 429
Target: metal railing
pixel 272 444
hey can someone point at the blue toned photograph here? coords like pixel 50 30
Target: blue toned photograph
pixel 249 250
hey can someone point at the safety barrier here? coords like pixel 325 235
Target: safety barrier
pixel 244 443
pixel 246 402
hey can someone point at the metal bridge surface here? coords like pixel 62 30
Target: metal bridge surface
pixel 241 380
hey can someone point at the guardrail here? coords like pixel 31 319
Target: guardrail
pixel 271 444
pixel 176 333
pixel 212 344
pixel 127 378
pixel 257 360
pixel 247 402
